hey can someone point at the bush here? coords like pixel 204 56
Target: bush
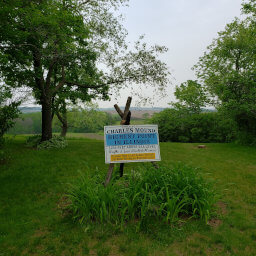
pixel 164 193
pixel 7 115
pixel 179 126
pixel 54 142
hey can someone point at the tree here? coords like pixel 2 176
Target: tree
pixel 228 70
pixel 71 48
pixel 191 96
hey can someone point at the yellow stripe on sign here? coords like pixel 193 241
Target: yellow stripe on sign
pixel 131 157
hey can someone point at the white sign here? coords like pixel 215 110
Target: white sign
pixel 131 143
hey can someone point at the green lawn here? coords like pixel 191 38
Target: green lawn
pixel 33 185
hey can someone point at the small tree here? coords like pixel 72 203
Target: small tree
pixel 191 96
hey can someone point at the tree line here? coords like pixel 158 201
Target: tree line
pixel 80 121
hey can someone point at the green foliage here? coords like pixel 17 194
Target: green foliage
pixel 179 126
pixel 27 123
pixel 165 194
pixel 86 120
pixel 8 112
pixel 191 97
pixel 54 142
pixel 79 121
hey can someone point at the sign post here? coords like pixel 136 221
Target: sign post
pixel 130 143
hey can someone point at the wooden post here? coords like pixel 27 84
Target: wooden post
pixel 126 117
pixel 109 175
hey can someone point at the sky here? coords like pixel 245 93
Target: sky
pixel 186 27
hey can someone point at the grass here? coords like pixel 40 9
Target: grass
pixel 33 185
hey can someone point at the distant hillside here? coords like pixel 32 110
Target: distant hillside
pixel 135 109
pixel 137 112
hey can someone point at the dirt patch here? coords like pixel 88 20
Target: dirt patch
pixel 214 223
pixel 222 208
pixel 201 146
pixel 40 233
pixel 63 205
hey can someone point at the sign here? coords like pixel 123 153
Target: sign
pixel 131 143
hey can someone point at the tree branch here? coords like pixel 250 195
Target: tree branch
pixel 60 117
pixel 61 83
pixel 48 78
pixel 93 86
pixel 17 46
pixel 84 2
pixel 96 86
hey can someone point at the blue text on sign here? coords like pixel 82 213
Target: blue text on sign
pixel 131 139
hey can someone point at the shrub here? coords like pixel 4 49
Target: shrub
pixel 54 142
pixel 180 126
pixel 164 193
pixel 7 115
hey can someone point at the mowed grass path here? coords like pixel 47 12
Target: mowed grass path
pixel 33 185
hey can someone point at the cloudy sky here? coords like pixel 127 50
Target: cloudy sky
pixel 186 27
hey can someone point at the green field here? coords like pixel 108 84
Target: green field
pixel 33 185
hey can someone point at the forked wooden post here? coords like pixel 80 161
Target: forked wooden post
pixel 126 117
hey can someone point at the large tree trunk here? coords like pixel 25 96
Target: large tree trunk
pixel 46 119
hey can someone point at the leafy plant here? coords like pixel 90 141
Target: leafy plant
pixel 165 193
pixel 54 142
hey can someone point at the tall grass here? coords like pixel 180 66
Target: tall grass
pixel 165 193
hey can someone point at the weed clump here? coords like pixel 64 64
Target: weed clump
pixel 165 193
